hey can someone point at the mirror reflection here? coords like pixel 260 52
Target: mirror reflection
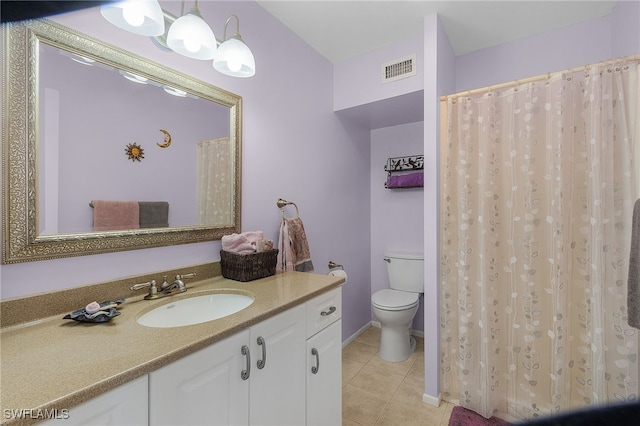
pixel 86 123
pixel 93 115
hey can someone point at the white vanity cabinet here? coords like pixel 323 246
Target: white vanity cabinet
pixel 277 379
pixel 203 388
pixel 324 359
pixel 207 387
pixel 124 405
pixel 277 358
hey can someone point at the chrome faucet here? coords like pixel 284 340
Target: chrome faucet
pixel 177 285
pixel 165 289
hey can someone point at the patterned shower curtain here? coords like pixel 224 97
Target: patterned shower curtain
pixel 214 186
pixel 538 186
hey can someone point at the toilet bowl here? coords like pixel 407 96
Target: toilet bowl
pixel 395 307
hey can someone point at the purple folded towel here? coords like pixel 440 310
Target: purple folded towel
pixel 405 181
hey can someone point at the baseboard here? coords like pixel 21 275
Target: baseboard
pixel 355 335
pixel 431 400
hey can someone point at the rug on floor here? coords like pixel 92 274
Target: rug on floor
pixel 462 417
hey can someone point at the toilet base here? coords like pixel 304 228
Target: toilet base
pixel 396 344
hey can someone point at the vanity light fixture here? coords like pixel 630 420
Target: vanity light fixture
pixel 143 17
pixel 234 57
pixel 190 36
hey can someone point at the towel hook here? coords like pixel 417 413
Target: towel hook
pixel 281 203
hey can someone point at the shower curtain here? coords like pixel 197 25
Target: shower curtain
pixel 537 192
pixel 214 182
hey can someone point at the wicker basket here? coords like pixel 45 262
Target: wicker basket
pixel 248 267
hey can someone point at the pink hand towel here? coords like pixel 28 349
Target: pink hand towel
pixel 115 215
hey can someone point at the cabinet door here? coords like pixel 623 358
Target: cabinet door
pixel 124 405
pixel 324 377
pixel 203 388
pixel 277 388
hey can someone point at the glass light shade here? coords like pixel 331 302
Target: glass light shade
pixel 190 36
pixel 235 59
pixel 143 17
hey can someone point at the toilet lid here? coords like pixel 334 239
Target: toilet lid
pixel 394 300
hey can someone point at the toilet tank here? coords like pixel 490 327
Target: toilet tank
pixel 406 271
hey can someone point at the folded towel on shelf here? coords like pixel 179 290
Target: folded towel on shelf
pixel 633 284
pixel 405 181
pixel 115 215
pixel 294 254
pixel 241 243
pixel 154 214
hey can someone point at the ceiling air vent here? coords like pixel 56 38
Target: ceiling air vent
pixel 400 68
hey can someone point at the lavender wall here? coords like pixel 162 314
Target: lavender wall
pixel 581 44
pixel 294 147
pixel 397 217
pixel 358 81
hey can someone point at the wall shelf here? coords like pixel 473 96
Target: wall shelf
pixel 408 171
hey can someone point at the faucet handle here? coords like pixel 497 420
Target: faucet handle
pixel 185 276
pixel 153 289
pixel 149 284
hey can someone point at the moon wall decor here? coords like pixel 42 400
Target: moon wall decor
pixel 167 139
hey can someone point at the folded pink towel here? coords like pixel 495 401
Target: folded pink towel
pixel 241 243
pixel 115 215
pixel 254 236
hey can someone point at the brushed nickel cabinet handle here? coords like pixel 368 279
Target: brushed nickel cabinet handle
pixel 262 362
pixel 329 312
pixel 316 367
pixel 245 373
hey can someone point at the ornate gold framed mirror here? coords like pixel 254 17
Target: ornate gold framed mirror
pixel 35 140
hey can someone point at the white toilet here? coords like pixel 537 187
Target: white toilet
pixel 396 307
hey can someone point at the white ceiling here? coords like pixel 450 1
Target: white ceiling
pixel 340 30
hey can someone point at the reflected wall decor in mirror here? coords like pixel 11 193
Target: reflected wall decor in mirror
pixel 85 121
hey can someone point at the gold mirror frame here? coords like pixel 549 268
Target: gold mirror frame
pixel 21 242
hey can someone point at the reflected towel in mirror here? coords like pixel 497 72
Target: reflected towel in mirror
pixel 154 214
pixel 115 215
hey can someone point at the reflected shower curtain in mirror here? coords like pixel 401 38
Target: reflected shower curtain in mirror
pixel 214 197
pixel 537 192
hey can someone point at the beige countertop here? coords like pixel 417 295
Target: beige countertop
pixel 55 363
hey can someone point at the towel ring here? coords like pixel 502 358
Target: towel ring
pixel 281 203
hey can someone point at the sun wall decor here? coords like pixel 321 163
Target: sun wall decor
pixel 134 152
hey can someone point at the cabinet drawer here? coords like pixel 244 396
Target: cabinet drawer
pixel 324 310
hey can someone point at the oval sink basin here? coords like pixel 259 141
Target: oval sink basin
pixel 196 310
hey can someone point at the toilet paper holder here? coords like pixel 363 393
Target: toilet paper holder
pixel 334 265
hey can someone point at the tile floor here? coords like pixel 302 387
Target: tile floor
pixel 376 392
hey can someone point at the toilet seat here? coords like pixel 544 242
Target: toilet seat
pixel 394 300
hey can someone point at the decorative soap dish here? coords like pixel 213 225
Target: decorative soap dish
pixel 106 312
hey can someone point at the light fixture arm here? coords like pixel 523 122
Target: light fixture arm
pixel 237 33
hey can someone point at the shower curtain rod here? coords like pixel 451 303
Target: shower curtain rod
pixel 625 59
